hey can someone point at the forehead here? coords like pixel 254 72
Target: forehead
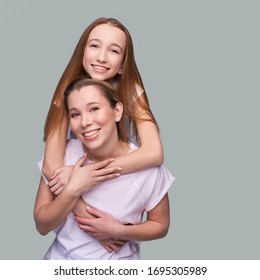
pixel 108 32
pixel 87 94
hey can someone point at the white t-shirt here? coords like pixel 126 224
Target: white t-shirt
pixel 125 198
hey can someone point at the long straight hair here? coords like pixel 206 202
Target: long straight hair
pixel 127 82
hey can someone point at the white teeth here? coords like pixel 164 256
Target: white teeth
pixel 91 133
pixel 100 67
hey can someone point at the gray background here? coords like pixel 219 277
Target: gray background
pixel 200 64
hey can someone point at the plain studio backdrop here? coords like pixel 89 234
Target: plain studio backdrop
pixel 200 65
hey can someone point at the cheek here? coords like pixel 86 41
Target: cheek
pixel 119 62
pixel 85 59
pixel 73 125
pixel 84 62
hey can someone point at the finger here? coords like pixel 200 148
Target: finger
pixel 102 163
pixel 121 242
pixel 57 172
pixel 107 171
pixel 100 179
pixel 95 212
pixel 81 161
pixel 87 229
pixel 59 191
pixel 115 247
pixel 107 248
pixel 53 182
pixel 84 221
pixel 55 187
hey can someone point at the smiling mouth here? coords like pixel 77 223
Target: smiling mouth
pixel 99 68
pixel 91 133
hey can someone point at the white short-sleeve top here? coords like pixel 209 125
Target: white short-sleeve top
pixel 126 198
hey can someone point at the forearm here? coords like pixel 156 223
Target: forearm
pixel 54 150
pixel 148 230
pixel 51 213
pixel 106 227
pixel 149 154
pixel 80 209
pixel 139 159
pixel 156 226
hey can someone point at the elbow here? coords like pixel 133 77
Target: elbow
pixel 164 231
pixel 154 156
pixel 46 170
pixel 157 157
pixel 41 229
pixel 160 158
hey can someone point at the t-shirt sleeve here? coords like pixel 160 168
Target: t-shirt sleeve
pixel 73 152
pixel 39 164
pixel 158 184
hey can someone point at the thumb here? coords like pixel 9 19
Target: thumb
pixel 81 161
pixel 57 172
pixel 95 212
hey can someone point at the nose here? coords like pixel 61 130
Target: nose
pixel 86 120
pixel 102 56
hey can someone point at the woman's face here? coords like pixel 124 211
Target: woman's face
pixel 104 52
pixel 93 120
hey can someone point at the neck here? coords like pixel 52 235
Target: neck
pixel 119 149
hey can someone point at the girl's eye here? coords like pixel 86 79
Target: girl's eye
pixel 115 51
pixel 94 46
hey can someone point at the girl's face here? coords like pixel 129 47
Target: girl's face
pixel 104 52
pixel 93 121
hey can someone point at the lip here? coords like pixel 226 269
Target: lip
pixel 99 68
pixel 91 134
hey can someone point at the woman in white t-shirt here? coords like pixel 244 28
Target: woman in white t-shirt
pixel 95 115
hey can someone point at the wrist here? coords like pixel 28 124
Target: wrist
pixel 122 231
pixel 72 191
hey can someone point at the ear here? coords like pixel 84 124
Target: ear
pixel 118 111
pixel 120 71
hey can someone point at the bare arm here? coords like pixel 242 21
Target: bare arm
pixel 156 226
pixel 150 152
pixel 55 150
pixel 53 160
pixel 50 211
pixel 104 227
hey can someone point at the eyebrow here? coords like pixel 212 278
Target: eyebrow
pixel 87 105
pixel 113 44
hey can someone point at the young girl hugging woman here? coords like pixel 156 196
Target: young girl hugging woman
pixel 105 53
pixel 95 117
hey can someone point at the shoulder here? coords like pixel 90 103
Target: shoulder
pixel 73 152
pixel 139 90
pixel 132 147
pixel 73 144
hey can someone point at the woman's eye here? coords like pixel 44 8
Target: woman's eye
pixel 74 115
pixel 93 109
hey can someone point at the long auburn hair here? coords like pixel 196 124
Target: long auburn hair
pixel 127 82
